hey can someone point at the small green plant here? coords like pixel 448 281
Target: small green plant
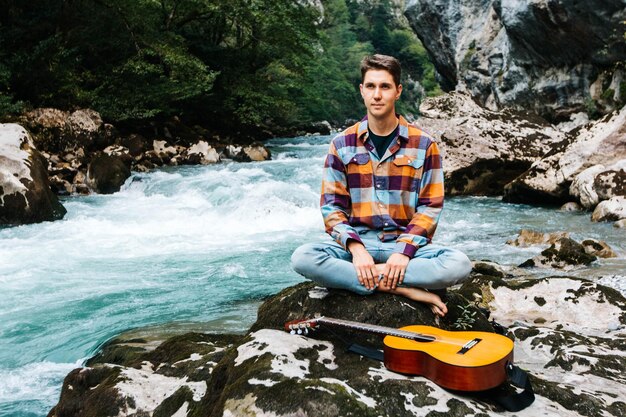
pixel 466 319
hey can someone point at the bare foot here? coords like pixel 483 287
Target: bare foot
pixel 417 294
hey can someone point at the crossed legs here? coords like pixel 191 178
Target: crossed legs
pixel 432 267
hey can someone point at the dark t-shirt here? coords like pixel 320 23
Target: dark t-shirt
pixel 382 142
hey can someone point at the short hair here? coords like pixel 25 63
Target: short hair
pixel 382 62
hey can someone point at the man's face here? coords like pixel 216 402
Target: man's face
pixel 380 93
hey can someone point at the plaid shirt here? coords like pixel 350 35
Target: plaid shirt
pixel 400 195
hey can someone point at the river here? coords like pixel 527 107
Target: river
pixel 199 247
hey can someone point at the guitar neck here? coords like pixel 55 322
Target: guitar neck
pixel 372 328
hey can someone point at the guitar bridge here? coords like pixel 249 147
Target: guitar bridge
pixel 466 347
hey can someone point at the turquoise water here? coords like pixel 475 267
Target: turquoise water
pixel 202 244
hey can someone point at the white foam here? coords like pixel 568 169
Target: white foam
pixel 35 381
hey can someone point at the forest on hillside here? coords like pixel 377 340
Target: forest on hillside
pixel 249 64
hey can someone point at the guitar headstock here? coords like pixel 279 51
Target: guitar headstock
pixel 301 326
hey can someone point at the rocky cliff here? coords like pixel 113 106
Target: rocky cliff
pixel 556 57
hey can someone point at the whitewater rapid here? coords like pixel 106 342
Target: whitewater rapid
pixel 199 247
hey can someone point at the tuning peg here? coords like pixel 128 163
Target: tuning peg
pixel 299 331
pixel 292 331
pixel 306 330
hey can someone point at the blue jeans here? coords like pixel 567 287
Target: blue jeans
pixel 330 265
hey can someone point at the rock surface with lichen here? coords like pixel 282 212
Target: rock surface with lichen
pixel 25 195
pixel 569 335
pixel 483 150
pixel 549 179
pixel 558 58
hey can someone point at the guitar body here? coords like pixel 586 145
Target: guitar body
pixel 463 361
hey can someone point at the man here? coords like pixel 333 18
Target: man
pixel 382 194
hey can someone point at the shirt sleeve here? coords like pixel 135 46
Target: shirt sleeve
pixel 335 202
pixel 422 226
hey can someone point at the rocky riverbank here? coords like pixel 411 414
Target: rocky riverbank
pixel 527 160
pixel 515 154
pixel 50 153
pixel 570 335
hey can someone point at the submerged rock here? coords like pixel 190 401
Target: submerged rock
pixel 565 253
pixel 25 195
pixel 571 206
pixel 528 237
pixel 106 174
pixel 598 248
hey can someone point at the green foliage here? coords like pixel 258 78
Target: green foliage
pixel 466 319
pixel 233 65
pixel 7 104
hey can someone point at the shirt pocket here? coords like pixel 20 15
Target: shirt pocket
pixel 358 170
pixel 407 172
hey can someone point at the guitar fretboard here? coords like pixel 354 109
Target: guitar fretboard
pixel 373 328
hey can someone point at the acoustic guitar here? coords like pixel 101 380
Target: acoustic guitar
pixel 460 361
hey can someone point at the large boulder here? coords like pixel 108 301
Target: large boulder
pixel 548 180
pixel 482 149
pixel 59 131
pixel 556 57
pixel 613 209
pixel 599 183
pixel 107 173
pixel 560 324
pixel 25 195
pixel 569 334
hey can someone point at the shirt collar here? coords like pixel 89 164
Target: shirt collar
pixel 403 128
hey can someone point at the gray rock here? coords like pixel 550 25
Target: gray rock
pixel 498 50
pixel 548 179
pixel 25 195
pixel 565 254
pixel 582 186
pixel 493 269
pixel 599 183
pixel 610 210
pixel 559 323
pixel 598 248
pixel 482 149
pixel 610 183
pixel 58 131
pixel 571 206
pixel 528 238
pixel 106 174
pixel 87 129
